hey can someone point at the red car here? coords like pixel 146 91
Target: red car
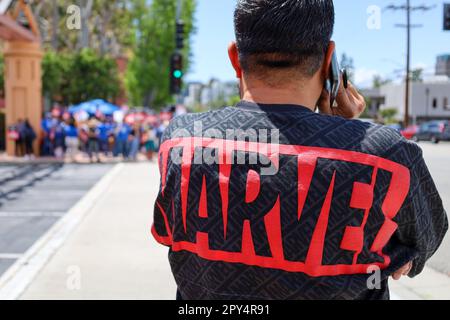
pixel 410 132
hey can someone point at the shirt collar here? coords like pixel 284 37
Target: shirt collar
pixel 272 108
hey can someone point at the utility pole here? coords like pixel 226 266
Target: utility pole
pixel 179 8
pixel 408 8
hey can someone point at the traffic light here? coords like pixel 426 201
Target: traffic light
pixel 179 37
pixel 447 16
pixel 176 73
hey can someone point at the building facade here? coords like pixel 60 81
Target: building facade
pixel 430 100
pixel 213 94
pixel 443 65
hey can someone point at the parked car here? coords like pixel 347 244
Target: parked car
pixel 396 127
pixel 410 132
pixel 434 131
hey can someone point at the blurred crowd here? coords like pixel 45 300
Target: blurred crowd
pixel 23 134
pixel 95 138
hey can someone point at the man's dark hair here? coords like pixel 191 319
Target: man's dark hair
pixel 282 34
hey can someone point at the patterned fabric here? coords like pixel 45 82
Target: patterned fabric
pixel 309 207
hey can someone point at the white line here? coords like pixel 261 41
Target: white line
pixel 19 276
pixel 31 214
pixel 10 256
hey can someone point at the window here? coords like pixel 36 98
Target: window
pixel 435 103
pixel 446 105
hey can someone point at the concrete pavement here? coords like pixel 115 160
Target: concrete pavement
pixel 111 255
pixel 430 285
pixel 434 282
pixel 437 157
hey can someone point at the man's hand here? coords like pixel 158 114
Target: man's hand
pixel 350 103
pixel 403 271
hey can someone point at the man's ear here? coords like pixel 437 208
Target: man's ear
pixel 328 57
pixel 234 58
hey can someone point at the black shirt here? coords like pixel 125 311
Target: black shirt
pixel 279 202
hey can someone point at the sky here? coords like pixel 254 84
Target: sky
pixel 374 50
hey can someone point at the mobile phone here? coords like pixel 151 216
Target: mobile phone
pixel 333 82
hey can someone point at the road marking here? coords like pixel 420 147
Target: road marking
pixel 10 256
pixel 19 276
pixel 23 214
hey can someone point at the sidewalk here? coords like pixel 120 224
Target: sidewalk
pixel 110 254
pixel 102 249
pixel 430 285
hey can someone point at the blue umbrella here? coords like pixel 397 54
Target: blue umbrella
pixel 92 107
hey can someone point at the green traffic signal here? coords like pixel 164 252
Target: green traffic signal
pixel 178 74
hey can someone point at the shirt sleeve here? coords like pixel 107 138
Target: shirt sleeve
pixel 161 229
pixel 422 221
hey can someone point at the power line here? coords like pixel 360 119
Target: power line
pixel 408 26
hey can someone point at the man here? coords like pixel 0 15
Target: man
pixel 271 200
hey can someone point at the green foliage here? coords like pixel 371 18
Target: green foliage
pixel 147 77
pixel 389 115
pixel 232 101
pixel 92 77
pixel 378 81
pixel 55 68
pixel 78 77
pixel 105 22
pixel 417 75
pixel 220 102
pixel 348 64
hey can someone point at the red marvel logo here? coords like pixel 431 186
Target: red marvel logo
pixel 230 222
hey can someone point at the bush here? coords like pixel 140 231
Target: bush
pixel 389 115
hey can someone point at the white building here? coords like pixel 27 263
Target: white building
pixel 205 97
pixel 193 94
pixel 443 65
pixel 429 100
pixel 209 95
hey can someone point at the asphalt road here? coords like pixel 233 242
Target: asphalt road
pixel 438 161
pixel 34 197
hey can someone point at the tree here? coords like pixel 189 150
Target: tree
pixel 92 77
pixel 378 81
pixel 147 77
pixel 105 25
pixel 55 69
pixel 417 75
pixel 348 64
pixel 389 115
pixel 78 77
pixel 218 103
pixel 233 100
